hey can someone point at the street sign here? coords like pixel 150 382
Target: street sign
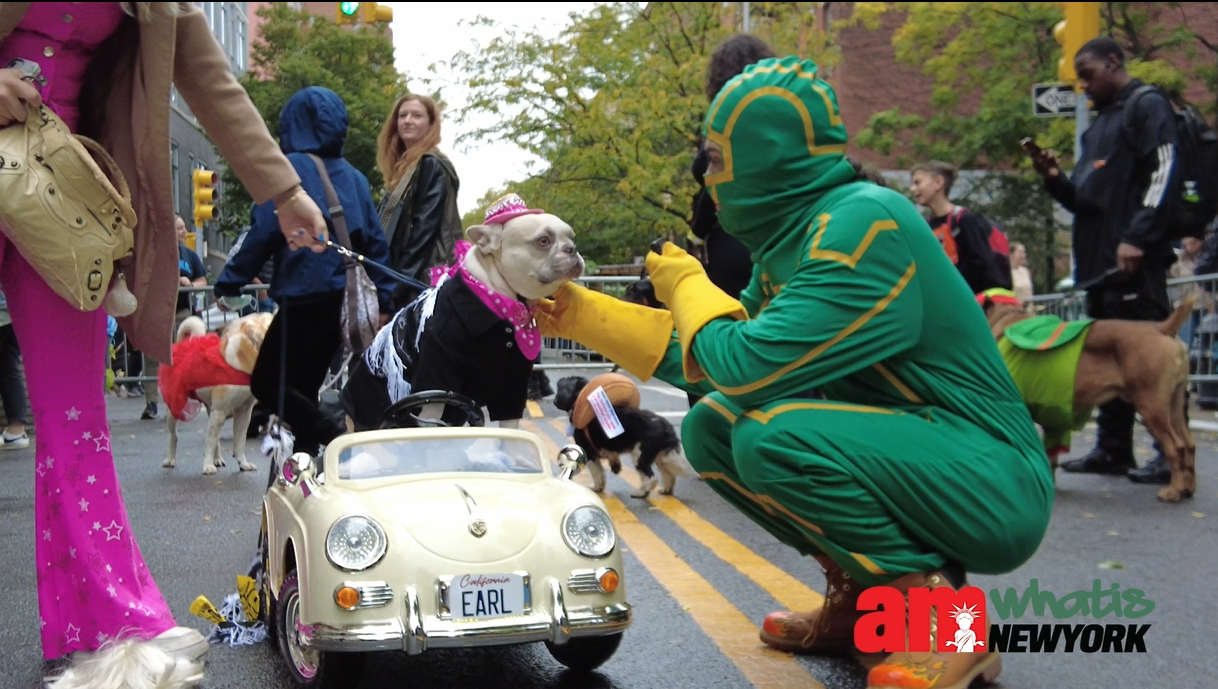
pixel 1053 100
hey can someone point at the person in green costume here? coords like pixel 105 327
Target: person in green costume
pixel 921 462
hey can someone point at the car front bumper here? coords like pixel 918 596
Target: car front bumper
pixel 413 633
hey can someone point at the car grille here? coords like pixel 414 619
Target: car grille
pixel 373 595
pixel 583 581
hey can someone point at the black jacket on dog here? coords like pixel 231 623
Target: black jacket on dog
pixel 464 348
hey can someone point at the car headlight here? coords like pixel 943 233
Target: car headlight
pixel 589 532
pixel 355 543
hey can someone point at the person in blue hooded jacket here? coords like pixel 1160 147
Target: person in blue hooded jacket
pixel 307 286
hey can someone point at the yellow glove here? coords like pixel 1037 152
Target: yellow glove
pixel 632 336
pixel 681 283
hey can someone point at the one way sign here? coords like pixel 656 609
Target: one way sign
pixel 1053 100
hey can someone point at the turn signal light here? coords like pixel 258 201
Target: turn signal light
pixel 347 597
pixel 608 580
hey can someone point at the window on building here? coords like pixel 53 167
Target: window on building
pixel 217 26
pixel 177 180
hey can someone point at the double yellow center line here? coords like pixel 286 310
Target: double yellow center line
pixel 731 630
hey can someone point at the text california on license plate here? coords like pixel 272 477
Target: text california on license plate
pixel 486 596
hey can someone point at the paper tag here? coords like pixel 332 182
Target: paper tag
pixel 605 413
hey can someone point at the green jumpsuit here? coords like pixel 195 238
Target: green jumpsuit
pixel 923 453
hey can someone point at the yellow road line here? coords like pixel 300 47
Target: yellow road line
pixel 727 627
pixel 782 587
pixel 534 409
pixel 790 592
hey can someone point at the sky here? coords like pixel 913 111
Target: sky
pixel 429 32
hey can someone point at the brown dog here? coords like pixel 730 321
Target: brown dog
pixel 1144 364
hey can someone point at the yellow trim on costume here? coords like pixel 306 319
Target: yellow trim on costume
pixel 824 346
pixel 723 411
pixel 766 502
pixel 851 260
pixel 868 564
pixel 767 416
pixel 896 383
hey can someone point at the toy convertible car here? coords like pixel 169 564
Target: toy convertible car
pixel 415 537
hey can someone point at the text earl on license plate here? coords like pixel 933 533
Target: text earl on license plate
pixel 483 596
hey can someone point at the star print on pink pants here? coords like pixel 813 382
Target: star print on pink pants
pixel 115 528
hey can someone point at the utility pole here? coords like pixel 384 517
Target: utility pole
pixel 748 26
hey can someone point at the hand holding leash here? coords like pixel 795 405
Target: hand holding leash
pixel 301 221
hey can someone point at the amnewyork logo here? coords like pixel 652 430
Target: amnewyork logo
pixel 963 628
pixel 961 620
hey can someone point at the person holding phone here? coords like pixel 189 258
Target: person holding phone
pixel 1118 192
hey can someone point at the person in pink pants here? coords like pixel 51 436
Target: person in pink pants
pixel 106 69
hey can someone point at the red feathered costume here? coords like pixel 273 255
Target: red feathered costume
pixel 199 363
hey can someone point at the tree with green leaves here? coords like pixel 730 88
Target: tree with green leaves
pixel 983 59
pixel 295 50
pixel 614 107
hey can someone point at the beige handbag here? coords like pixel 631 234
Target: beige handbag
pixel 66 206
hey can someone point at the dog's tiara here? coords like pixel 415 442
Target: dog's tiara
pixel 508 207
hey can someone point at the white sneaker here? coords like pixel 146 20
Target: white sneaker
pixel 181 642
pixel 14 442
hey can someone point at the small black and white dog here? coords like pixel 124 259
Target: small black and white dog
pixel 649 438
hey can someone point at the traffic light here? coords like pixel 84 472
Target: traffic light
pixel 1081 24
pixel 375 13
pixel 346 12
pixel 205 196
pixel 362 13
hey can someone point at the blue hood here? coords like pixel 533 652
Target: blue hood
pixel 314 121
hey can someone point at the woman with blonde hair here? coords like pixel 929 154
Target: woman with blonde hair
pixel 419 212
pixel 106 69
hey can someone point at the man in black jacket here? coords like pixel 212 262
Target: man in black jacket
pixel 1119 194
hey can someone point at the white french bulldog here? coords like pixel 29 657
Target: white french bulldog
pixel 529 257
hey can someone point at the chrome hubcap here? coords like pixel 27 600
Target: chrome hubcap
pixel 304 661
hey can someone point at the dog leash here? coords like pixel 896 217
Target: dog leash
pixel 400 277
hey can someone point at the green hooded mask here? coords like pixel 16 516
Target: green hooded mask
pixel 783 144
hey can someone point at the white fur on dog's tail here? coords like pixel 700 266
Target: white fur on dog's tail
pixel 680 466
pixel 191 327
pixel 129 664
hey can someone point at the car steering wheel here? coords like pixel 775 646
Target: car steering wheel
pixel 401 414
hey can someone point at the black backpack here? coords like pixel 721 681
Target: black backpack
pixel 1193 194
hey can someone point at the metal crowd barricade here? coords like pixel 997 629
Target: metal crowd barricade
pixel 1200 331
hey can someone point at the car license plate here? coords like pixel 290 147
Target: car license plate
pixel 486 596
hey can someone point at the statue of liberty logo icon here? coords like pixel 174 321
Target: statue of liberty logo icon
pixel 966 638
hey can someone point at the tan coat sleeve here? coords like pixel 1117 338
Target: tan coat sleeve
pixel 202 74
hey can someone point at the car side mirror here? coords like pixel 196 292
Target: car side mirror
pixel 300 469
pixel 571 459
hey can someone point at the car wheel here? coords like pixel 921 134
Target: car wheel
pixel 586 653
pixel 311 669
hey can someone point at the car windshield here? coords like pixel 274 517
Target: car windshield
pixel 438 455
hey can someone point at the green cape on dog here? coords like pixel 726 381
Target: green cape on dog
pixel 1042 355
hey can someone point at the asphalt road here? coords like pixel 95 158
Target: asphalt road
pixel 701 577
